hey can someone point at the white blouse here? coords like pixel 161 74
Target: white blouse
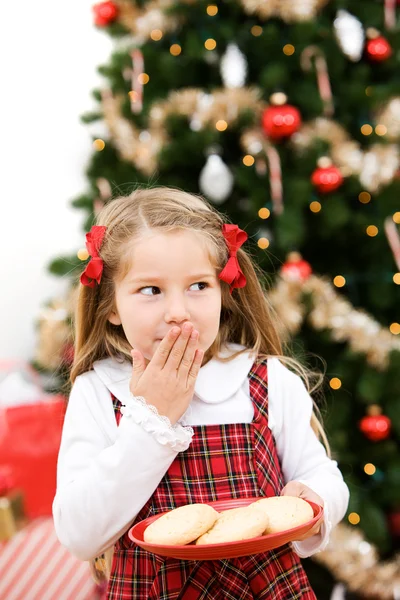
pixel 106 474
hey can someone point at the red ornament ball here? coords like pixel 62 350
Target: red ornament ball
pixel 375 427
pixel 295 268
pixel 279 122
pixel 104 13
pixel 327 179
pixel 378 49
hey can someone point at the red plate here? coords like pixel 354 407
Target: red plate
pixel 227 549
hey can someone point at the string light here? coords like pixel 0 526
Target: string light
pixel 212 10
pixel 288 49
pixel 364 197
pixel 370 469
pixel 99 145
pixel 133 95
pixel 372 230
pixel 368 90
pixel 248 160
pixel 143 78
pixel 221 125
pixel 83 254
pixel 156 35
pixel 335 383
pixel 264 213
pixel 381 130
pixel 339 281
pixel 315 206
pixel 256 30
pixel 395 328
pixel 366 129
pixel 210 44
pixel 396 278
pixel 396 217
pixel 175 50
pixel 354 518
pixel 263 243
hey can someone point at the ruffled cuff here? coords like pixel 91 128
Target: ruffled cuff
pixel 177 436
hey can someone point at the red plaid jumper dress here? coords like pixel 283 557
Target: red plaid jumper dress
pixel 223 461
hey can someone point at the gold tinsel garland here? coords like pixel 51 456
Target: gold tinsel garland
pixel 375 167
pixel 355 562
pixel 333 312
pixel 141 148
pixel 141 21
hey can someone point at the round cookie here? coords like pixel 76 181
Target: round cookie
pixel 234 525
pixel 181 525
pixel 284 512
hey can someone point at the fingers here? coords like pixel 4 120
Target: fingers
pixel 163 351
pixel 195 368
pixel 138 367
pixel 178 350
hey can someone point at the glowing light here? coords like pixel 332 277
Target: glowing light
pixel 210 44
pixel 143 78
pixel 221 125
pixel 248 160
pixel 264 213
pixel 364 197
pixel 256 30
pixel 381 130
pixel 99 145
pixel 175 50
pixel 288 49
pixel 263 243
pixel 315 206
pixel 156 34
pixel 369 469
pixel 212 10
pixel 83 254
pixel 339 281
pixel 366 129
pixel 395 328
pixel 354 518
pixel 372 230
pixel 335 383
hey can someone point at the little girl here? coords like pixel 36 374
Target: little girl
pixel 180 395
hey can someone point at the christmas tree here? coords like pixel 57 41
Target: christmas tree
pixel 285 114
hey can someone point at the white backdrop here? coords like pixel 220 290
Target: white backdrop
pixel 49 52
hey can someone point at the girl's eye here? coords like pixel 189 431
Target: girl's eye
pixel 150 290
pixel 202 285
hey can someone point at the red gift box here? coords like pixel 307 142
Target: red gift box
pixel 30 437
pixel 34 566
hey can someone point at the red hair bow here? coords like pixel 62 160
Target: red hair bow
pixel 94 268
pixel 232 273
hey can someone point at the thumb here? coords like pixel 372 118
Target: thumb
pixel 138 367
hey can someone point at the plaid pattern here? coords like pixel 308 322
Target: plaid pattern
pixel 223 461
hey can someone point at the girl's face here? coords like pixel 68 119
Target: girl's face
pixel 171 280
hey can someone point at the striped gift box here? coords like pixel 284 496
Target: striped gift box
pixel 34 566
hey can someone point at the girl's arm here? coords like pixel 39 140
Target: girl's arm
pixel 303 457
pixel 105 474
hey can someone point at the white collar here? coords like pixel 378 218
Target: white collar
pixel 216 382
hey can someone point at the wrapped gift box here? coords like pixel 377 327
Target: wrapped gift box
pixel 30 435
pixel 34 566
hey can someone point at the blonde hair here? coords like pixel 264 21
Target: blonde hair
pixel 167 209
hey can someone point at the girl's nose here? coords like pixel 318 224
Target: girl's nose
pixel 176 311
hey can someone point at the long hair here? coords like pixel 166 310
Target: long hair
pixel 246 315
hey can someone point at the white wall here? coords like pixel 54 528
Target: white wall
pixel 49 52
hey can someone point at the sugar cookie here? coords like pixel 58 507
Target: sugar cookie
pixel 181 525
pixel 234 525
pixel 284 512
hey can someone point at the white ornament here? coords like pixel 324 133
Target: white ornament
pixel 233 67
pixel 216 180
pixel 349 33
